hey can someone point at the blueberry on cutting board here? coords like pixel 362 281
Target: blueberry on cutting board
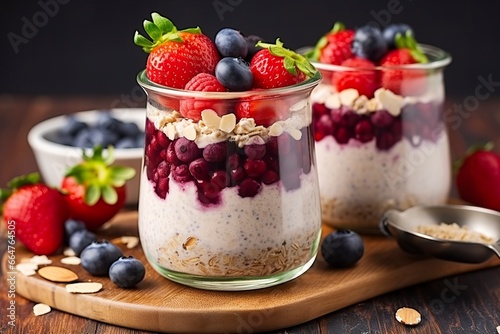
pixel 342 248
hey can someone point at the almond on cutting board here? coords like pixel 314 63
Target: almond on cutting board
pixel 57 274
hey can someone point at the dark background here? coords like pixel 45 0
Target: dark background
pixel 86 47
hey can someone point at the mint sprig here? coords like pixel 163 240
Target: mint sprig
pixel 291 59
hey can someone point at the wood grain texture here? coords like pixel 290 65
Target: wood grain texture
pixel 163 306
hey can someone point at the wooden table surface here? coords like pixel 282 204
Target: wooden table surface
pixel 467 303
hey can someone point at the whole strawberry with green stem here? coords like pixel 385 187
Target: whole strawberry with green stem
pixel 334 47
pixel 477 177
pixel 400 80
pixel 175 56
pixel 272 67
pixel 95 189
pixel 37 213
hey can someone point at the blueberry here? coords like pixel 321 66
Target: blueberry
pixel 72 126
pixel 231 43
pixel 234 74
pixel 252 49
pixel 126 142
pixel 81 239
pixel 83 139
pixel 342 248
pixel 139 140
pixel 129 129
pixel 391 30
pixel 107 122
pixel 369 43
pixel 99 256
pixel 127 272
pixel 73 225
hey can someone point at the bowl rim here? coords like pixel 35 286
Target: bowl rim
pixel 39 143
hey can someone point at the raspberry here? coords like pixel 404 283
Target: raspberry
pixel 215 152
pixel 270 177
pixel 255 151
pixel 181 174
pixel 199 169
pixel 343 135
pixel 248 188
pixel 361 77
pixel 338 48
pixel 254 168
pixel 364 131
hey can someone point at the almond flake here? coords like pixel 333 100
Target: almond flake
pixel 390 101
pixel 333 101
pixel 69 252
pixel 85 287
pixel 57 274
pixel 347 96
pixel 275 130
pixel 26 266
pixel 27 272
pixel 210 118
pixel 170 131
pixel 408 316
pixel 295 133
pixel 130 241
pixel 40 260
pixel 227 123
pixel 71 260
pixel 498 329
pixel 41 309
pixel 189 132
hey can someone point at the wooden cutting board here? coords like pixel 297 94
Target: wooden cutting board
pixel 158 304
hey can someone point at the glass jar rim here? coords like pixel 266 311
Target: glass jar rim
pixel 438 60
pixel 305 85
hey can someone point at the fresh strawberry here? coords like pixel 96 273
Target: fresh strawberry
pixel 404 81
pixel 94 189
pixel 275 66
pixel 202 82
pixel 37 213
pixel 478 177
pixel 175 56
pixel 362 77
pixel 335 46
pixel 264 111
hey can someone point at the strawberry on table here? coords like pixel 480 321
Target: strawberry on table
pixel 335 46
pixel 37 211
pixel 404 81
pixel 95 189
pixel 176 56
pixel 478 177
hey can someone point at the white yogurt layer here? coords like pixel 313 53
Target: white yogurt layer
pixel 275 231
pixel 359 182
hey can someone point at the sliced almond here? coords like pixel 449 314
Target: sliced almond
pixel 41 260
pixel 41 309
pixel 332 101
pixel 170 131
pixel 27 272
pixel 275 130
pixel 295 133
pixel 390 101
pixel 69 252
pixel 26 266
pixel 189 132
pixel 85 287
pixel 227 123
pixel 57 274
pixel 71 260
pixel 347 96
pixel 408 316
pixel 130 241
pixel 210 118
pixel 498 329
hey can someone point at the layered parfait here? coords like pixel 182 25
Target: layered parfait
pixel 381 141
pixel 229 195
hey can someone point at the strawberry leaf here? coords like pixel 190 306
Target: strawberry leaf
pixel 109 195
pixel 164 24
pixel 457 164
pixel 123 173
pixel 92 194
pixel 289 64
pixel 407 41
pixel 152 30
pixel 23 180
pixel 337 27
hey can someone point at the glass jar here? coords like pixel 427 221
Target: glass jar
pixel 387 150
pixel 225 203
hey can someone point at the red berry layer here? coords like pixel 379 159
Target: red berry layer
pixel 416 122
pixel 221 165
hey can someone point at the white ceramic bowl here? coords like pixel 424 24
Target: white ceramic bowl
pixel 53 159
